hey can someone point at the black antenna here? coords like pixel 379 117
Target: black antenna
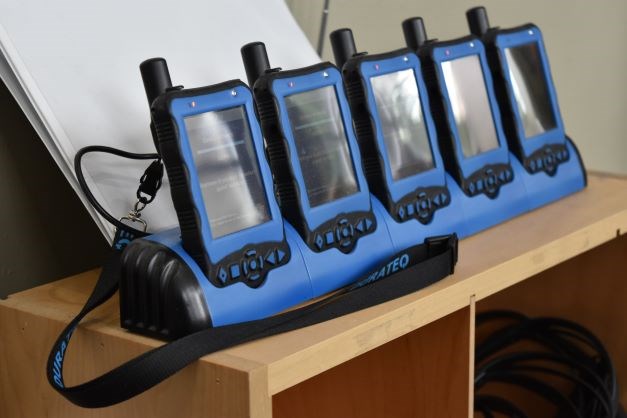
pixel 343 45
pixel 255 60
pixel 478 23
pixel 414 32
pixel 156 77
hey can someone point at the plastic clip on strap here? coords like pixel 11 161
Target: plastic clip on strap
pixel 149 184
pixel 406 272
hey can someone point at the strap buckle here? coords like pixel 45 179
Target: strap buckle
pixel 440 244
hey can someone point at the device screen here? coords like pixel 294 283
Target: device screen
pixel 469 99
pixel 228 170
pixel 322 145
pixel 402 122
pixel 526 73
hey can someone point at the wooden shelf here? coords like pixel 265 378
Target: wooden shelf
pixel 269 375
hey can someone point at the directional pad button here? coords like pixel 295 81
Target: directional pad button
pixel 361 226
pixel 271 257
pixel 281 255
pixel 234 270
pixel 319 241
pixel 223 275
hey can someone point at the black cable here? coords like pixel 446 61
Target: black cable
pixel 486 316
pixel 569 351
pixel 109 150
pixel 510 359
pixel 535 330
pixel 538 387
pixel 595 344
pixel 487 404
pixel 605 402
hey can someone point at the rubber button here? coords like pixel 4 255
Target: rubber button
pixel 222 275
pixel 319 241
pixel 360 226
pixel 271 257
pixel 280 254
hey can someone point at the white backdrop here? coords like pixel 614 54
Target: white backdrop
pixel 72 65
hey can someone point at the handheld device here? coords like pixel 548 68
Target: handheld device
pixel 317 169
pixel 232 258
pixel 529 108
pixel 467 120
pixel 398 141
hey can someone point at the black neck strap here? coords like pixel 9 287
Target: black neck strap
pixel 422 265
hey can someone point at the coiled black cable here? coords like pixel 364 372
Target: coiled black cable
pixel 562 349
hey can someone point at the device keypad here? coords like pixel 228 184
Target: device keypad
pixel 547 159
pixel 342 232
pixel 488 180
pixel 251 265
pixel 421 204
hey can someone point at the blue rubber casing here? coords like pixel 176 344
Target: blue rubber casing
pixel 341 239
pixel 272 230
pixel 492 186
pixel 415 206
pixel 552 165
pixel 240 276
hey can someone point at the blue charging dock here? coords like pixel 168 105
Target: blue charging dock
pixel 284 287
pixel 543 189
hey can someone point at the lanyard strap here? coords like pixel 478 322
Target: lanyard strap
pixel 406 272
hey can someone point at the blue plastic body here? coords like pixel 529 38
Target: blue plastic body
pixel 445 220
pixel 569 176
pixel 542 189
pixel 411 232
pixel 284 287
pixel 481 212
pixel 331 269
pixel 267 231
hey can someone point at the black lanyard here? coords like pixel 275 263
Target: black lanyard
pixel 416 268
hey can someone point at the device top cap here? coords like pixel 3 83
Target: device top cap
pixel 156 77
pixel 414 32
pixel 255 60
pixel 478 22
pixel 343 45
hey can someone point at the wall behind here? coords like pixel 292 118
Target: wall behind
pixel 585 42
pixel 45 231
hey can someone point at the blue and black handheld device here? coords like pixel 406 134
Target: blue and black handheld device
pixel 529 109
pixel 316 164
pixel 468 123
pixel 398 141
pixel 232 260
